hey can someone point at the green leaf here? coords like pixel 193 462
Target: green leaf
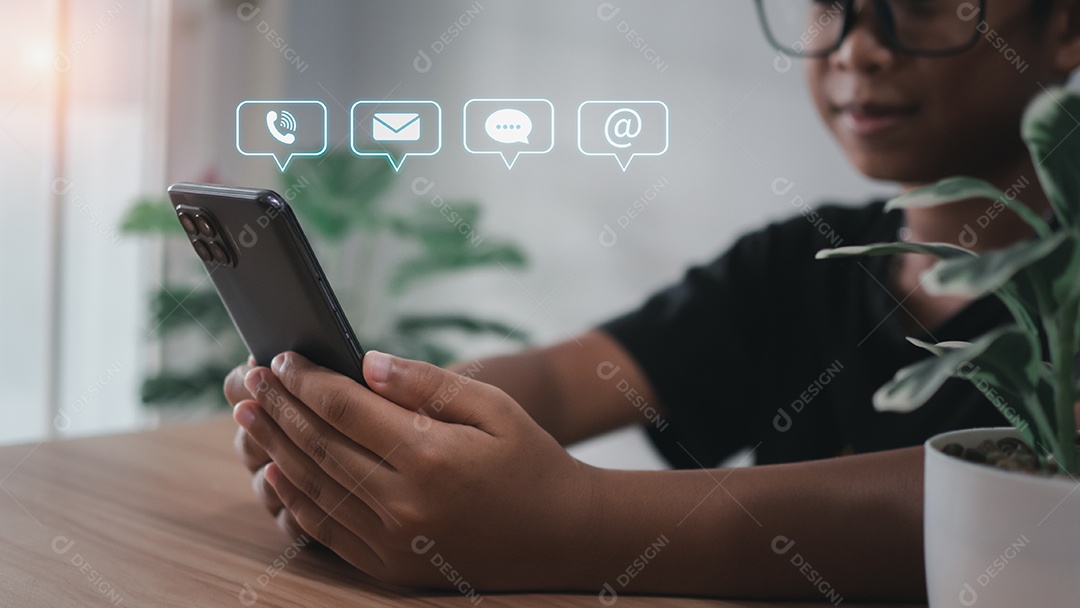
pixel 432 352
pixel 1021 304
pixel 913 385
pixel 994 375
pixel 175 307
pixel 421 324
pixel 943 251
pixel 941 347
pixel 953 189
pixel 1060 270
pixel 982 274
pixel 452 259
pixel 453 224
pixel 171 387
pixel 151 216
pixel 338 194
pixel 1049 129
pixel 417 347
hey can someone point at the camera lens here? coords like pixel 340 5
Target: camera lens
pixel 188 224
pixel 204 253
pixel 219 254
pixel 204 226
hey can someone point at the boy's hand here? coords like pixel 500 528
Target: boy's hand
pixel 426 479
pixel 251 454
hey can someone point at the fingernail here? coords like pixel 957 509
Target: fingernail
pixel 244 416
pixel 277 363
pixel 251 381
pixel 271 473
pixel 377 366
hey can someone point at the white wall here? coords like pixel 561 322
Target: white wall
pixel 63 264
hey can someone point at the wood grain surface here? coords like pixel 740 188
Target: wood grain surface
pixel 168 518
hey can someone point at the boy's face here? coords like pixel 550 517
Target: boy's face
pixel 915 120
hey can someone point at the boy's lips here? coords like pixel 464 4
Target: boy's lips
pixel 868 119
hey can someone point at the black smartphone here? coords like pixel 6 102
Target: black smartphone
pixel 267 275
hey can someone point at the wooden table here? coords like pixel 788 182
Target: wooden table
pixel 168 518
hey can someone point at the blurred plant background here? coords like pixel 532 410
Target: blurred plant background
pixel 375 252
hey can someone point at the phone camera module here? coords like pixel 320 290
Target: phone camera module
pixel 203 250
pixel 205 227
pixel 219 254
pixel 188 224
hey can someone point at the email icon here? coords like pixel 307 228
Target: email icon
pixel 395 129
pixel 395 126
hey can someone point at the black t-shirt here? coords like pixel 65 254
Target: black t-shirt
pixel 768 347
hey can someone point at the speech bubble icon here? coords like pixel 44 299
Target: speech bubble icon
pixel 508 126
pixel 528 125
pixel 395 129
pixel 623 129
pixel 282 129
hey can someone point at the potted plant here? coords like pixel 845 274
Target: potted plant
pixel 995 536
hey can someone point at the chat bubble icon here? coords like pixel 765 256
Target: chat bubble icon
pixel 395 129
pixel 281 129
pixel 508 126
pixel 623 129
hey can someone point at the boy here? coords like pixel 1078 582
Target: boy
pixel 765 348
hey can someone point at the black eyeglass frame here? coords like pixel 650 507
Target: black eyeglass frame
pixel 888 25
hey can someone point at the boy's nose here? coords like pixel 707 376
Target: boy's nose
pixel 865 48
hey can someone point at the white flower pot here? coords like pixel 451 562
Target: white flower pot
pixel 998 538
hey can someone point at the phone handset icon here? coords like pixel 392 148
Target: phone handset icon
pixel 287 122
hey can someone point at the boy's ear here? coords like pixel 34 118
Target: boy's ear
pixel 1066 20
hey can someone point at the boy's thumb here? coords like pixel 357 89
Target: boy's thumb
pixel 424 388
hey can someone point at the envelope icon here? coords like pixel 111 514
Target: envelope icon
pixel 395 126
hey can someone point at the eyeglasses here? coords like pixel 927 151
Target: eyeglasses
pixel 815 28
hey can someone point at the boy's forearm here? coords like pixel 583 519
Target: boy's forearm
pixel 575 389
pixel 845 528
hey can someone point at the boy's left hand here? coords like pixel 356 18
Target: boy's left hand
pixel 427 478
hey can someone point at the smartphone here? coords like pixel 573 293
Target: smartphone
pixel 267 275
